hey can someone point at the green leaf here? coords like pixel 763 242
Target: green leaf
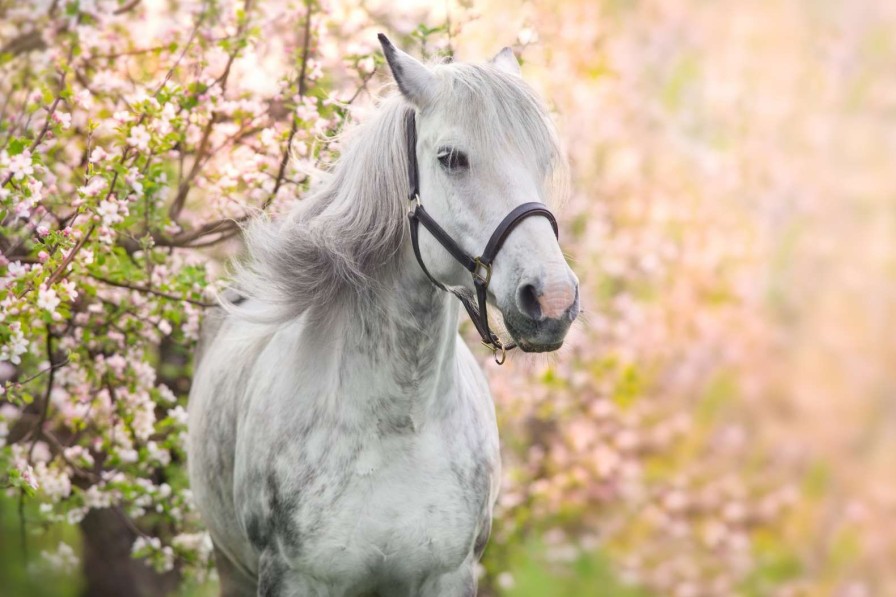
pixel 16 146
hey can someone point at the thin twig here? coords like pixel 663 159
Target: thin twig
pixel 152 291
pixel 183 53
pixel 43 132
pixel 218 226
pixel 226 226
pixel 129 6
pixel 60 271
pixel 60 451
pixel 135 52
pixel 294 127
pixel 23 536
pixel 42 371
pixel 183 188
pixel 27 42
pixel 202 152
pixel 52 110
pixel 362 86
pixel 45 406
pixel 54 277
pixel 208 243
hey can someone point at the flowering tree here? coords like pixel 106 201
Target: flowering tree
pixel 135 138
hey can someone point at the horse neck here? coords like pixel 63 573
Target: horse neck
pixel 398 347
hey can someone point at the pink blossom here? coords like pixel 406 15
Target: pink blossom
pixel 28 476
pixel 93 187
pixel 70 289
pixel 268 136
pixel 16 269
pixel 527 36
pixel 47 299
pixel 84 99
pixel 23 208
pixel 139 138
pixel 16 346
pixel 133 179
pixel 111 211
pixel 366 65
pixel 116 363
pixel 64 119
pixel 98 154
pixel 20 165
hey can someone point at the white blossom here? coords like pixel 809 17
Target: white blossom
pixel 20 165
pixel 139 138
pixel 47 299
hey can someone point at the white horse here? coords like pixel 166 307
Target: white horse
pixel 342 438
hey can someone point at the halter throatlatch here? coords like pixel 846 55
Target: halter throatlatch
pixel 479 267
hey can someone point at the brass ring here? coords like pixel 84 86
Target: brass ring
pixel 500 360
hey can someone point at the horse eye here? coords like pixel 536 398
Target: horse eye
pixel 452 159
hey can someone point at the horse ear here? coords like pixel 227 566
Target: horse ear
pixel 507 62
pixel 416 82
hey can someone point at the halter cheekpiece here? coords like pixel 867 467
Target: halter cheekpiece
pixel 479 267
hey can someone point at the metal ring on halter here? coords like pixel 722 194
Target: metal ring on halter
pixel 499 350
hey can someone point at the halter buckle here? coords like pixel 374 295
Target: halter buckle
pixel 480 265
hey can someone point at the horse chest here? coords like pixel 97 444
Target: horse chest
pixel 399 505
pixel 358 493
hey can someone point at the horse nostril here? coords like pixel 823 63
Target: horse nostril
pixel 527 298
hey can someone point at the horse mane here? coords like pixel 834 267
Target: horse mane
pixel 342 240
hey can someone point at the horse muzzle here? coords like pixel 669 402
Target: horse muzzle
pixel 540 318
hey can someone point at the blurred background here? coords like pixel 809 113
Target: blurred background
pixel 723 419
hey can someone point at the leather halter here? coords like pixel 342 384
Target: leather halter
pixel 479 267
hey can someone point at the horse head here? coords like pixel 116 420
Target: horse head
pixel 485 148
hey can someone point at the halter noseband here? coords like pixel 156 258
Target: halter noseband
pixel 479 267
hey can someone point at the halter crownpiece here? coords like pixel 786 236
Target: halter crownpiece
pixel 479 267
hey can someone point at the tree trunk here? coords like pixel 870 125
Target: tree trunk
pixel 109 569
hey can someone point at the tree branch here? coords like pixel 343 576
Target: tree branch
pixel 157 293
pixel 183 188
pixel 294 127
pixel 27 42
pixel 45 406
pixel 54 277
pixel 202 152
pixel 127 7
pixel 43 132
